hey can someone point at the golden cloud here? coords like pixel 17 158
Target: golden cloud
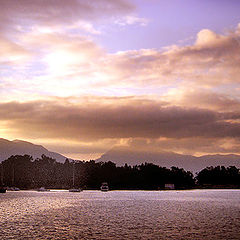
pixel 70 64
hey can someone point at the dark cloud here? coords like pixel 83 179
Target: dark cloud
pixel 91 121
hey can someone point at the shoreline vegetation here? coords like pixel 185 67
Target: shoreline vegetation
pixel 23 172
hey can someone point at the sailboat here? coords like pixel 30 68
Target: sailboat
pixel 13 180
pixel 73 179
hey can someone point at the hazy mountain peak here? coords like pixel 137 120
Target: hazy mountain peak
pixel 2 140
pixel 124 154
pixel 21 141
pixel 20 147
pixel 27 144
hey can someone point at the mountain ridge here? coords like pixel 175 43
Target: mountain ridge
pixel 20 147
pixel 122 155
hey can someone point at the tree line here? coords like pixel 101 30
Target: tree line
pixel 24 172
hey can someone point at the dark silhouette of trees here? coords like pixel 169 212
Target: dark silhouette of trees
pixel 219 175
pixel 26 173
pixel 17 171
pixel 181 178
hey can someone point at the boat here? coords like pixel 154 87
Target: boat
pixel 43 189
pixel 13 189
pixel 4 189
pixel 73 182
pixel 75 190
pixel 104 187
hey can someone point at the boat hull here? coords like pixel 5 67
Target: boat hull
pixel 104 190
pixel 75 190
pixel 104 187
pixel 43 189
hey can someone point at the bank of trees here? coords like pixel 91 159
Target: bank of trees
pixel 219 176
pixel 26 173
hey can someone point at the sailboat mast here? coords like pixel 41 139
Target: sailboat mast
pixel 13 176
pixel 73 174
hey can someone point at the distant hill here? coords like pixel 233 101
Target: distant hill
pixel 19 147
pixel 122 155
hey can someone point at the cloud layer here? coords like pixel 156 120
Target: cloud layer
pixel 118 119
pixel 74 62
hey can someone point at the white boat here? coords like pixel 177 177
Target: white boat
pixel 75 190
pixel 104 187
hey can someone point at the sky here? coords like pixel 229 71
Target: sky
pixel 80 77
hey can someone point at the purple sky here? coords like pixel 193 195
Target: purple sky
pixel 172 22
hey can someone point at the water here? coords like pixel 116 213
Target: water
pixel 197 214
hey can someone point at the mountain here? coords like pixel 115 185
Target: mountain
pixel 122 155
pixel 19 147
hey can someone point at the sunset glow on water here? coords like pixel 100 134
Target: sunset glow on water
pixel 197 214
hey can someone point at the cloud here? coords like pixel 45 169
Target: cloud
pixel 51 12
pixel 64 54
pixel 25 17
pixel 91 121
pixel 12 53
pixel 213 60
pixel 194 146
pixel 204 98
pixel 93 125
pixel 74 63
pixel 207 37
pixel 132 20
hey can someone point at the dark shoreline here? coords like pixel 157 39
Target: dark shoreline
pixel 21 171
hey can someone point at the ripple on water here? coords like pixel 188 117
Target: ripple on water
pixel 204 214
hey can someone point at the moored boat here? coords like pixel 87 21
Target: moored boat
pixel 43 189
pixel 75 190
pixel 73 182
pixel 13 189
pixel 104 187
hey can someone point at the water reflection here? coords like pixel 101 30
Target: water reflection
pixel 199 214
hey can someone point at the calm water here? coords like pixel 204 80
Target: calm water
pixel 198 214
